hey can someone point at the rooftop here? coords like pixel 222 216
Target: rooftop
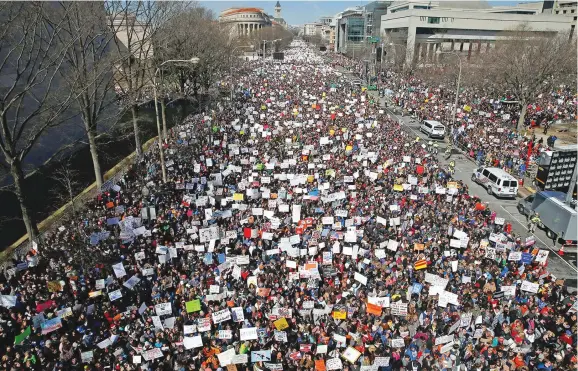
pixel 232 11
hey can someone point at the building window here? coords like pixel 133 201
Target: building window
pixel 355 28
pixel 400 9
pixel 433 20
pixel 564 12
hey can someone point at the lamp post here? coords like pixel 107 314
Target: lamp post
pixel 193 60
pixel 231 66
pixel 458 84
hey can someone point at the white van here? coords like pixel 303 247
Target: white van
pixel 496 181
pixel 433 129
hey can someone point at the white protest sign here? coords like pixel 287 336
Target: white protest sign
pixel 360 278
pixel 152 354
pixel 333 364
pixel 190 342
pixel 226 357
pixel 163 308
pixel 381 301
pixel 225 334
pixel 440 340
pixel 392 245
pixel 530 287
pixel 398 308
pixel 221 316
pixel 249 333
pixel 119 270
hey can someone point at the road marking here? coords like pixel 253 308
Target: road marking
pixel 403 122
pixel 538 238
pixel 518 220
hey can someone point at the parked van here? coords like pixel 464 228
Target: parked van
pixel 433 129
pixel 496 181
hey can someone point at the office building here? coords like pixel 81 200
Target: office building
pixel 424 28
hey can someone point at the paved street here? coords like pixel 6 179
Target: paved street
pixel 561 266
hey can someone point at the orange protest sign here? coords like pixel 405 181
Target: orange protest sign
pixel 309 266
pixel 320 365
pixel 281 324
pixel 264 292
pixel 419 246
pixel 374 309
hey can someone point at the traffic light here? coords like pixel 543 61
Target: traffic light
pixel 378 52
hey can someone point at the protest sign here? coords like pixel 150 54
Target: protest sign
pixel 530 287
pixel 248 333
pixel 203 324
pixel 333 364
pixel 221 316
pixel 281 324
pixel 190 342
pixel 193 306
pixel 398 308
pixel 163 308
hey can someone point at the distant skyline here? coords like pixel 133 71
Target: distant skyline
pixel 300 12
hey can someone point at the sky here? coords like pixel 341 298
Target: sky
pixel 300 12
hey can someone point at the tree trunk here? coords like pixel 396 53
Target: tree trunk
pixel 164 116
pixel 27 215
pixel 137 141
pixel 91 134
pixel 522 118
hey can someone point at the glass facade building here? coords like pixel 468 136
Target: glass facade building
pixel 355 29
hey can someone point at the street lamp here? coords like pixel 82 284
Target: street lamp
pixel 231 66
pixel 458 85
pixel 193 60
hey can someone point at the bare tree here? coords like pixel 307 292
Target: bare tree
pixel 31 102
pixel 527 64
pixel 68 186
pixel 135 24
pixel 88 69
pixel 193 33
pixel 283 37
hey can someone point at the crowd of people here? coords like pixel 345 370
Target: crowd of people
pixel 301 228
pixel 485 125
